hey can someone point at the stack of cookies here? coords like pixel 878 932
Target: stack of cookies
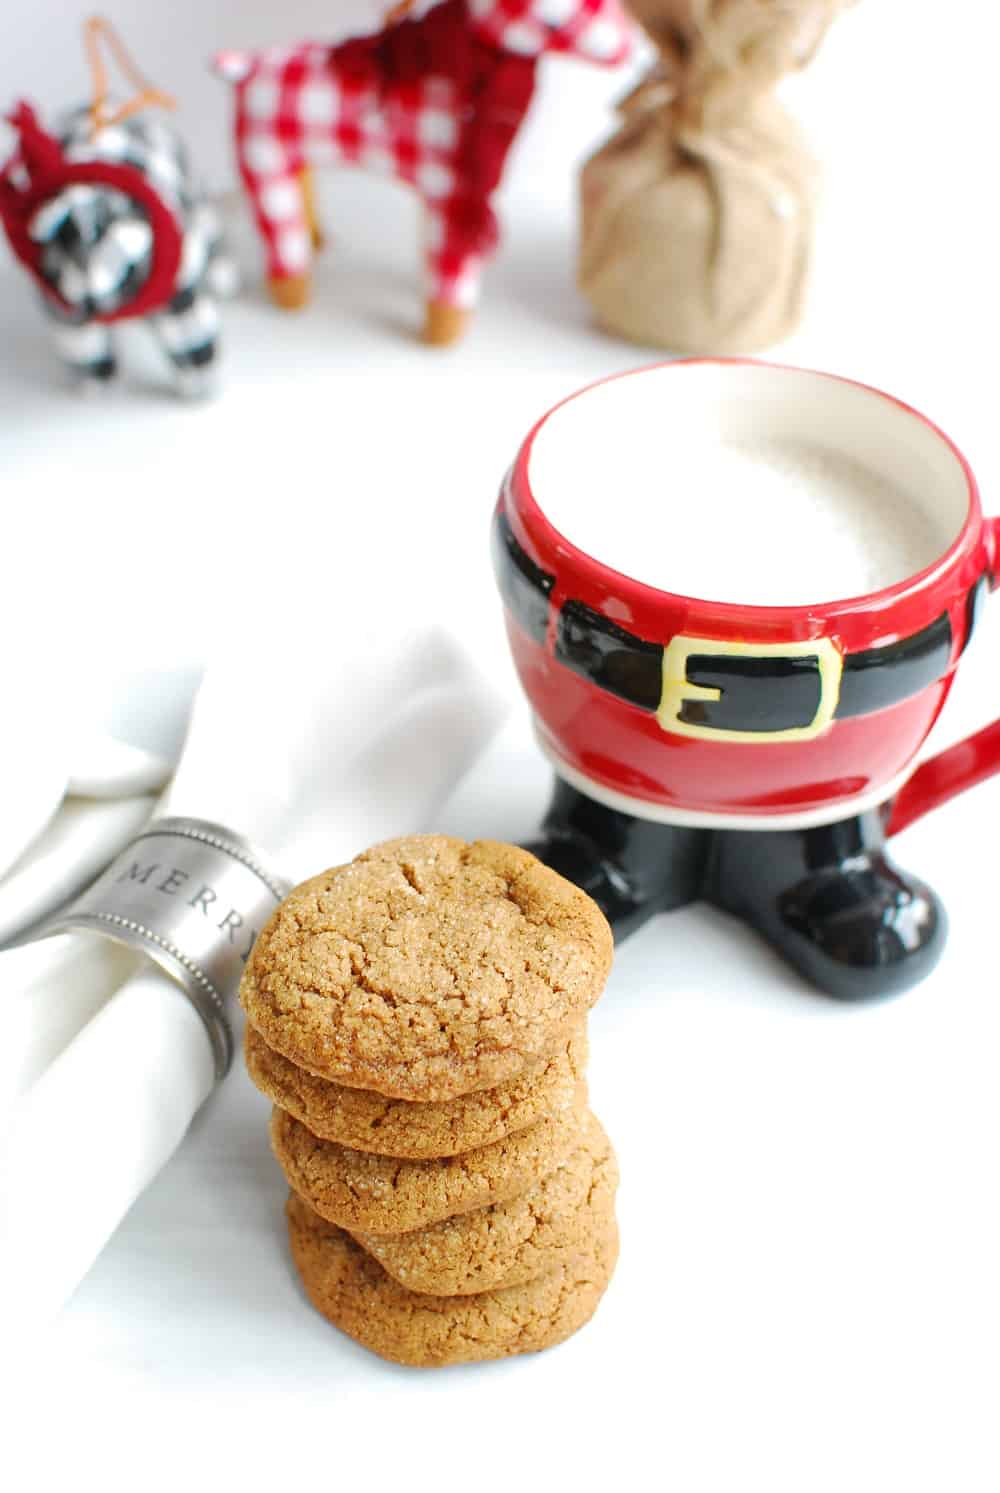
pixel 418 1019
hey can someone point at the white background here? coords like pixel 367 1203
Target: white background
pixel 807 1297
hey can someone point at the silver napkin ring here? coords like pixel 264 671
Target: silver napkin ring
pixel 192 896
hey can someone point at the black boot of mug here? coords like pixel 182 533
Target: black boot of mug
pixel 631 867
pixel 832 903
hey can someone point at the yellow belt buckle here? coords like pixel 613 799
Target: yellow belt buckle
pixel 677 688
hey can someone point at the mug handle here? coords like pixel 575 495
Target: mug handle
pixel 958 767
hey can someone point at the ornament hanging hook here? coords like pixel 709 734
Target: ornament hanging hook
pixel 101 40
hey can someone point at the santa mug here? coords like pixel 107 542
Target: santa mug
pixel 840 537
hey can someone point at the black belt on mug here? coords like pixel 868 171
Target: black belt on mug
pixel 710 689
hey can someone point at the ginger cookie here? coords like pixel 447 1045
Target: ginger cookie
pixel 507 1244
pixel 398 1127
pixel 427 968
pixel 385 1195
pixel 353 1292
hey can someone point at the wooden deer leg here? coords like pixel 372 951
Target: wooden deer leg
pixel 451 294
pixel 307 182
pixel 290 292
pixel 282 218
pixel 445 323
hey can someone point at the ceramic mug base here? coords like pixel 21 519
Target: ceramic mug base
pixel 827 899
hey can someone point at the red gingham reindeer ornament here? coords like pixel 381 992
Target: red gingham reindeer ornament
pixel 434 100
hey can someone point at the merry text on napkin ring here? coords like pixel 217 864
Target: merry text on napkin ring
pixel 192 896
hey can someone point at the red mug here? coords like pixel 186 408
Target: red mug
pixel 622 675
pixel 657 706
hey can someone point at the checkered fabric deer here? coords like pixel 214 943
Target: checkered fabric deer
pixel 106 217
pixel 94 214
pixel 435 101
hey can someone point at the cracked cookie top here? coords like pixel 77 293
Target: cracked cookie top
pixel 427 968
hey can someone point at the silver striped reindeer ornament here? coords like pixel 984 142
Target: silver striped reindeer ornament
pixel 105 215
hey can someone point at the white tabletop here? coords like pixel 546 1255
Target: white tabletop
pixel 807 1297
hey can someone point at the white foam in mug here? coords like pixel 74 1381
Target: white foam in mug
pixel 744 485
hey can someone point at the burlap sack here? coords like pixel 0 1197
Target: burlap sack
pixel 697 217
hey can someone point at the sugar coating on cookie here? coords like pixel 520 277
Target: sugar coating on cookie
pixel 386 1195
pixel 510 1243
pixel 427 968
pixel 399 1127
pixel 353 1292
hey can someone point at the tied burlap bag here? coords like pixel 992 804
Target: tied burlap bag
pixel 697 217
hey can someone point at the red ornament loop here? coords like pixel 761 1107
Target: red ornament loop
pixel 41 159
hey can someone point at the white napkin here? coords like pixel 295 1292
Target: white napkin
pixel 312 758
pixel 62 747
pixel 83 756
pixel 72 849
